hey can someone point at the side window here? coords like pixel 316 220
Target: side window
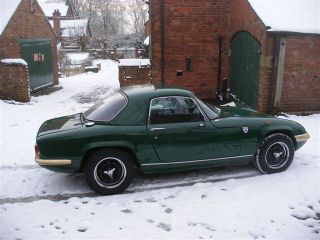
pixel 174 110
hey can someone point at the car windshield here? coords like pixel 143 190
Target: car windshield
pixel 108 108
pixel 211 111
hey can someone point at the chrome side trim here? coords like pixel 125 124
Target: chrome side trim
pixel 302 137
pixel 156 129
pixel 194 161
pixel 53 162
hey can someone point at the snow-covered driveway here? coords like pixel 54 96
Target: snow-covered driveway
pixel 234 203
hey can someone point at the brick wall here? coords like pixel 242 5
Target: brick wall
pixel 27 25
pixel 243 18
pixel 301 80
pixel 134 75
pixel 14 82
pixel 192 29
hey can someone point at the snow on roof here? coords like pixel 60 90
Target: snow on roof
pixel 73 27
pixel 147 41
pixel 301 16
pixel 134 62
pixel 14 61
pixel 7 9
pixel 78 58
pixel 48 7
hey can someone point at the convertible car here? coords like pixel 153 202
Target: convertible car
pixel 154 130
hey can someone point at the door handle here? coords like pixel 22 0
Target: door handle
pixel 156 129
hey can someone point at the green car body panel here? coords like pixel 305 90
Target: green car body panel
pixel 182 146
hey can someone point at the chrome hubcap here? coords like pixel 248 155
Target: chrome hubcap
pixel 277 155
pixel 110 172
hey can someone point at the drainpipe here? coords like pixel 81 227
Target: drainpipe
pixel 162 41
pixel 275 50
pixel 280 70
pixel 220 39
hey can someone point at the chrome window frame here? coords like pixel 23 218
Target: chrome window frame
pixel 205 118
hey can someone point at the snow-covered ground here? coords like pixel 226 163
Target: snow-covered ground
pixel 223 203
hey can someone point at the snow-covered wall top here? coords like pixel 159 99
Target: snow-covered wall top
pixel 301 16
pixel 134 62
pixel 14 61
pixel 7 9
pixel 48 7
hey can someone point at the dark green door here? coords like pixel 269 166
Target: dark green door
pixel 180 133
pixel 245 66
pixel 37 53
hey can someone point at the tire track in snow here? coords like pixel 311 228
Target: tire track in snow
pixel 61 197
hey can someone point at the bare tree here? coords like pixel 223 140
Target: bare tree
pixel 107 20
pixel 76 37
pixel 138 11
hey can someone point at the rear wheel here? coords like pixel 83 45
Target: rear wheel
pixel 275 154
pixel 109 171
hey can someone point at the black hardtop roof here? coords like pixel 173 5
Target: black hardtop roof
pixel 151 91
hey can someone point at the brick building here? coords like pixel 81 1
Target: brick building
pixel 268 50
pixel 25 33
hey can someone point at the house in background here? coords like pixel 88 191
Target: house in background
pixel 63 6
pixel 28 49
pixel 74 33
pixel 268 49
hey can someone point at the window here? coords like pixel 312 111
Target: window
pixel 107 109
pixel 174 110
pixel 211 111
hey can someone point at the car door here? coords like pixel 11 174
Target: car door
pixel 181 132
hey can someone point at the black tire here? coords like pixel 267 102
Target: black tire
pixel 275 154
pixel 109 171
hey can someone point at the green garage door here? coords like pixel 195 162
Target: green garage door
pixel 245 66
pixel 37 53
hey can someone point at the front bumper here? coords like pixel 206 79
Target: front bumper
pixel 302 137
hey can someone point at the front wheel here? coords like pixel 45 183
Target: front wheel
pixel 109 171
pixel 275 154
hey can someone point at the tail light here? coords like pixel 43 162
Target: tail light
pixel 36 152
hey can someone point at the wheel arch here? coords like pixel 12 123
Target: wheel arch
pixel 120 147
pixel 287 132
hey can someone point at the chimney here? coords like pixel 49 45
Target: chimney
pixel 56 22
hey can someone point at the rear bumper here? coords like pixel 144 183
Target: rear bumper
pixel 59 165
pixel 53 162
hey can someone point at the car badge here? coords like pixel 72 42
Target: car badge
pixel 245 129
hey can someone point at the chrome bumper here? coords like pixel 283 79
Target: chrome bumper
pixel 302 137
pixel 53 162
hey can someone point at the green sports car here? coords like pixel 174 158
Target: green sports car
pixel 154 130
